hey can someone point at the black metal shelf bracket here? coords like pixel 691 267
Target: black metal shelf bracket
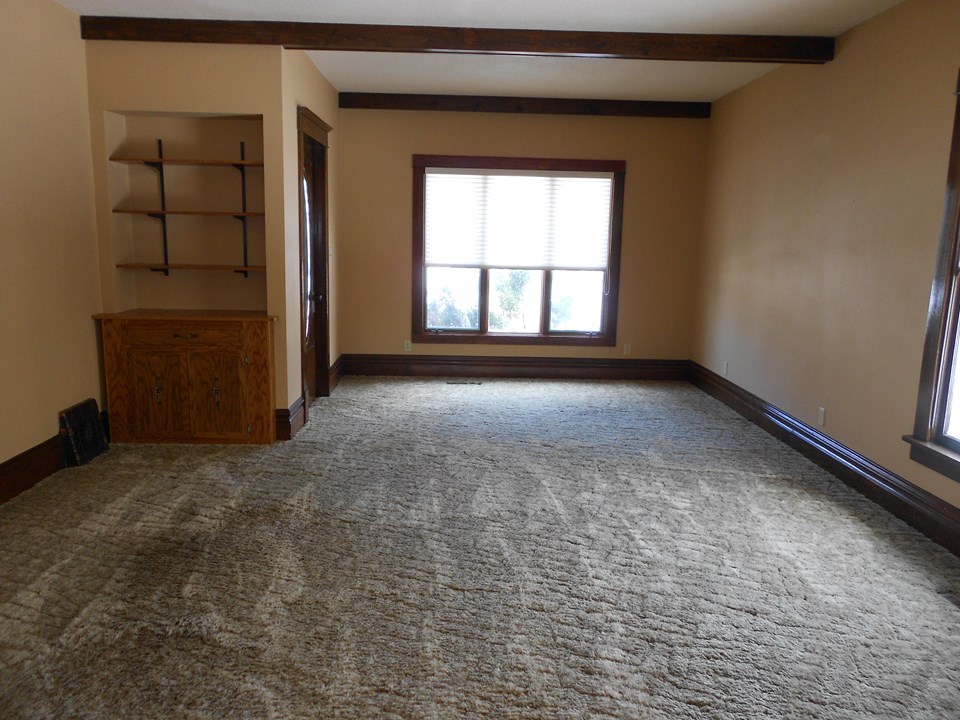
pixel 162 215
pixel 242 168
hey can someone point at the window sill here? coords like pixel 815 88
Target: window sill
pixel 936 457
pixel 504 339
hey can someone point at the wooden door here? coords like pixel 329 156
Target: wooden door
pixel 157 392
pixel 217 394
pixel 313 256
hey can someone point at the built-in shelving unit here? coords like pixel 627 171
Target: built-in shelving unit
pixel 161 214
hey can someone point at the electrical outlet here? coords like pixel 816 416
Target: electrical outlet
pixel 407 347
pixel 821 417
pixel 726 368
pixel 626 348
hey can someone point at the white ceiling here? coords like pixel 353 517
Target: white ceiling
pixel 529 76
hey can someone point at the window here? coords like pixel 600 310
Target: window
pixel 516 250
pixel 935 441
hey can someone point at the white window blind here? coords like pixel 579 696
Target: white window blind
pixel 517 219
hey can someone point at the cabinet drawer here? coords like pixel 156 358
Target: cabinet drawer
pixel 187 334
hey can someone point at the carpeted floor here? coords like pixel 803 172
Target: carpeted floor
pixel 507 549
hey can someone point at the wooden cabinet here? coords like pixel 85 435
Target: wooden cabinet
pixel 183 376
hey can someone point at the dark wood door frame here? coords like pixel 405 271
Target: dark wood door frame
pixel 309 126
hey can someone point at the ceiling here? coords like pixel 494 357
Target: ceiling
pixel 560 77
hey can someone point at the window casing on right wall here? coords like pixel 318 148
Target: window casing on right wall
pixel 935 441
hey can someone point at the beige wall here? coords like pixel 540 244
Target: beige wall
pixel 304 86
pixel 824 197
pixel 48 268
pixel 665 163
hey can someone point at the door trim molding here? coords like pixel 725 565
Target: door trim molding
pixel 310 125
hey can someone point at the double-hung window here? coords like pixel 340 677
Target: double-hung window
pixel 516 250
pixel 935 441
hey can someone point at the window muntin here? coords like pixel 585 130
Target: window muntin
pixel 522 224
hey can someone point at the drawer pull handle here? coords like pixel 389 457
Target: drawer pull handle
pixel 216 391
pixel 158 390
pixel 185 336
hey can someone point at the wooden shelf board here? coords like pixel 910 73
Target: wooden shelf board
pixel 185 314
pixel 192 266
pixel 187 161
pixel 213 213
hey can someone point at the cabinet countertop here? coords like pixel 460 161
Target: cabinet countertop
pixel 162 314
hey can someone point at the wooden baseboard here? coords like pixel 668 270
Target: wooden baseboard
pixel 932 516
pixel 290 420
pixel 30 467
pixel 336 373
pixel 514 367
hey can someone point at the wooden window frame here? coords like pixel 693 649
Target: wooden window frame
pixel 928 445
pixel 606 337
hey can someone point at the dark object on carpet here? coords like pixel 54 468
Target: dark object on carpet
pixel 82 432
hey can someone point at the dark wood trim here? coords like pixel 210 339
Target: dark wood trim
pixel 483 313
pixel 484 41
pixel 612 301
pixel 515 367
pixel 607 337
pixel 30 467
pixel 290 420
pixel 336 373
pixel 494 162
pixel 546 301
pixel 311 124
pixel 936 457
pixel 418 278
pixel 927 445
pixel 935 518
pixel 525 105
pixel 481 337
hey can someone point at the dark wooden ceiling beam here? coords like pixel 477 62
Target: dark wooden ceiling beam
pixel 483 41
pixel 528 105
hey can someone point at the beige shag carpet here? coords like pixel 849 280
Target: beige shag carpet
pixel 507 549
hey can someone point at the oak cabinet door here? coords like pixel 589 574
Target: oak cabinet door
pixel 157 393
pixel 218 395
